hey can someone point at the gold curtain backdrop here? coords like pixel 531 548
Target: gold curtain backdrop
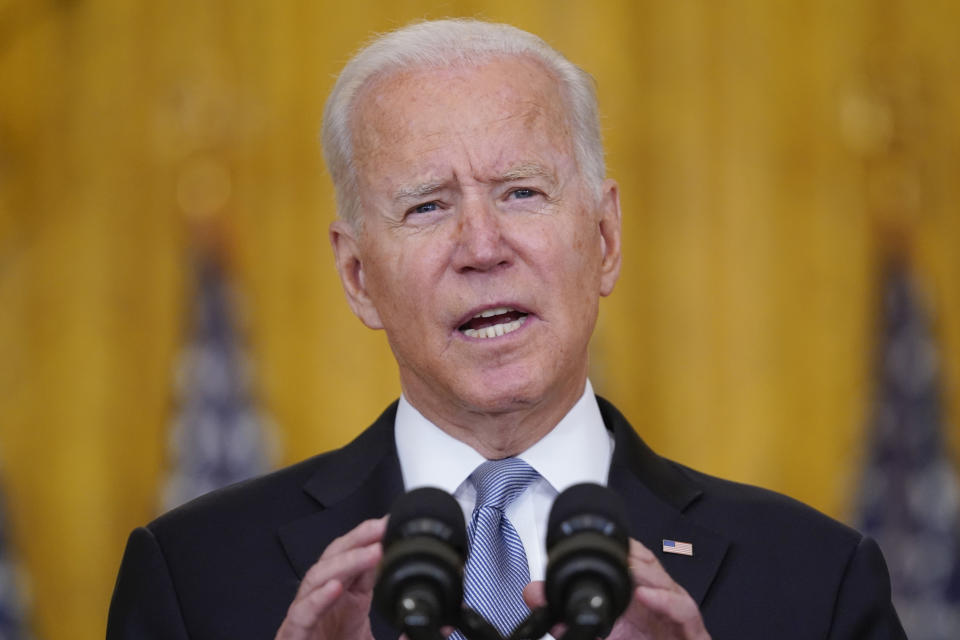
pixel 771 155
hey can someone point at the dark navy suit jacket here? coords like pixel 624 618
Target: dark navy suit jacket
pixel 227 565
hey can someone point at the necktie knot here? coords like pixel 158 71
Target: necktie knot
pixel 500 482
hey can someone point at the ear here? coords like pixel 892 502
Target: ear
pixel 609 236
pixel 345 240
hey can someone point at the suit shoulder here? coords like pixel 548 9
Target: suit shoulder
pixel 278 494
pixel 284 494
pixel 733 508
pixel 810 575
pixel 755 512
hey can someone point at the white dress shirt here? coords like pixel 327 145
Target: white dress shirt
pixel 577 450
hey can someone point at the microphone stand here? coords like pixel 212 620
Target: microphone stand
pixel 475 627
pixel 534 626
pixel 540 620
pixel 471 624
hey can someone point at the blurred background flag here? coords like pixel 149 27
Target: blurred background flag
pixel 12 600
pixel 910 498
pixel 218 436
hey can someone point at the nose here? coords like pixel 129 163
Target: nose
pixel 481 245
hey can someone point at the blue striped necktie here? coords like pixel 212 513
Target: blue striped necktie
pixel 496 570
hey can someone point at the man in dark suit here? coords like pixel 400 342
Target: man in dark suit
pixel 477 228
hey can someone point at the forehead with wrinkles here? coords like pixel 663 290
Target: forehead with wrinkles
pixel 407 114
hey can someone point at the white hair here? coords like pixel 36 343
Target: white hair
pixel 448 43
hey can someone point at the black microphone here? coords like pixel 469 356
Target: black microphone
pixel 588 582
pixel 420 582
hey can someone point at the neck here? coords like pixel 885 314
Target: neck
pixel 502 433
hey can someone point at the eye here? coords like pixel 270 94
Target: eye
pixel 523 193
pixel 426 207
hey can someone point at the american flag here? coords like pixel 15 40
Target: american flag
pixel 910 496
pixel 679 548
pixel 12 598
pixel 218 436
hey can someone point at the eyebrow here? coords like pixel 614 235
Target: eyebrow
pixel 520 172
pixel 417 191
pixel 525 171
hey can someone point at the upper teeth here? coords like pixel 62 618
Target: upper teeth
pixel 493 312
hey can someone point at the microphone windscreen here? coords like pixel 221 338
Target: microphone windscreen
pixel 587 507
pixel 431 512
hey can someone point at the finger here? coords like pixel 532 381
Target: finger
pixel 639 551
pixel 366 580
pixel 535 594
pixel 345 567
pixel 646 569
pixel 677 607
pixel 305 612
pixel 365 533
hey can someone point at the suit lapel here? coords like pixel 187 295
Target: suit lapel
pixel 657 495
pixel 355 483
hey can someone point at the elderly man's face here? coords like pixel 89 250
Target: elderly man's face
pixel 482 253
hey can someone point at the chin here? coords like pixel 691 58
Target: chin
pixel 493 394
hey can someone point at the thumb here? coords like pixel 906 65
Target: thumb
pixel 535 595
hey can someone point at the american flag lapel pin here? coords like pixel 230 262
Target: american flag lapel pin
pixel 677 547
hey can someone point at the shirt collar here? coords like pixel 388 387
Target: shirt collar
pixel 429 456
pixel 577 450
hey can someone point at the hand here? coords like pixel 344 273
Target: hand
pixel 333 601
pixel 659 610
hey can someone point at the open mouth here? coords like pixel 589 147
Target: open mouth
pixel 493 323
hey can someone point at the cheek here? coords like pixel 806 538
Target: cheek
pixel 583 247
pixel 382 270
pixel 579 251
pixel 403 277
pixel 565 255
